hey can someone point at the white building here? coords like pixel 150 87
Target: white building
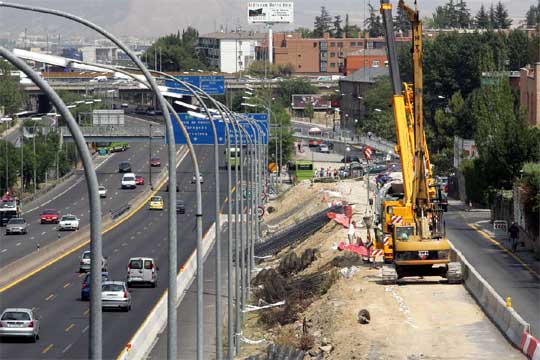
pixel 230 52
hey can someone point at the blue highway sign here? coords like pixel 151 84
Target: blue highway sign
pixel 213 85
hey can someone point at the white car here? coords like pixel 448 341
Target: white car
pixel 128 181
pixel 85 262
pixel 68 222
pixel 324 148
pixel 102 191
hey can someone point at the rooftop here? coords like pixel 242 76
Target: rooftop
pixel 240 35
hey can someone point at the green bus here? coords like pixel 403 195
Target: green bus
pixel 304 170
pixel 232 156
pixel 111 147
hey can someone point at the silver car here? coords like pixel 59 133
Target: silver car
pixel 18 322
pixel 115 295
pixel 16 226
pixel 85 262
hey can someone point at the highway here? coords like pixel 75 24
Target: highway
pixel 55 291
pixel 507 276
pixel 72 197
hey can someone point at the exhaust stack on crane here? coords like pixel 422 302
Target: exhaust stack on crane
pixel 413 226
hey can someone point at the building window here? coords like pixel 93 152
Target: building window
pixel 370 45
pixel 299 55
pixel 340 44
pixel 376 63
pixel 299 66
pixel 314 44
pixel 332 44
pixel 353 43
pixel 332 54
pixel 332 65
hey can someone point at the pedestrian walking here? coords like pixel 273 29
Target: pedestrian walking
pixel 351 234
pixel 514 235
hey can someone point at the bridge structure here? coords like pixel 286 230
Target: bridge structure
pixel 118 133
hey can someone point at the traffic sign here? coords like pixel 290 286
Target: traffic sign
pixel 367 152
pixel 262 121
pixel 199 130
pixel 213 85
pixel 247 194
pixel 260 211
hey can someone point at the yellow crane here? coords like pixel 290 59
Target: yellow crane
pixel 414 240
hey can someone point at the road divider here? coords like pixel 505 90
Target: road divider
pixel 509 322
pixel 31 264
pixel 142 342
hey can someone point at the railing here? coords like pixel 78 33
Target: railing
pixel 118 131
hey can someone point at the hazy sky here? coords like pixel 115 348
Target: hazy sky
pixel 156 17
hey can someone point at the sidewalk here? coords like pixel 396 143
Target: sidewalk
pixel 480 219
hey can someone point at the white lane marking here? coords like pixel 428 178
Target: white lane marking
pixel 124 244
pixel 66 348
pixel 132 237
pixel 18 244
pixel 75 203
pixel 4 250
pixel 67 207
pixel 32 238
pixel 115 250
pixel 85 329
pixel 82 215
pixel 82 199
pixel 43 233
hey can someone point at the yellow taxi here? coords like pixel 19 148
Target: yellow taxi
pixel 156 203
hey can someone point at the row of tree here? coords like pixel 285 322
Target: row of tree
pixel 533 15
pixel 465 95
pixel 456 15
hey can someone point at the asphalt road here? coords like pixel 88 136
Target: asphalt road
pixel 55 291
pixel 72 198
pixel 507 276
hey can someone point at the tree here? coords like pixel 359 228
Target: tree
pixel 337 31
pixel 502 20
pixel 373 23
pixel 492 17
pixel 379 118
pixel 347 27
pixel 322 23
pixel 293 86
pixel 9 160
pixel 518 44
pixel 305 32
pixel 532 16
pixel 401 22
pixel 280 117
pixel 463 15
pixel 482 18
pixel 12 97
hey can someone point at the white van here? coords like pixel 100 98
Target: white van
pixel 142 270
pixel 128 181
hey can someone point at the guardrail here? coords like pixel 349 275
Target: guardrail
pixel 156 131
pixel 378 145
pixel 120 211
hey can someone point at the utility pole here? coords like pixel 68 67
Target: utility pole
pixel 22 162
pixel 150 156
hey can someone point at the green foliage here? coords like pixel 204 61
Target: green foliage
pixel 279 115
pixel 308 111
pixel 533 15
pixel 178 52
pixel 9 158
pixel 261 68
pixel 481 20
pixel 292 86
pixel 305 32
pixel 502 20
pixel 379 117
pixel 373 23
pixel 337 30
pixel 12 97
pixel 401 22
pixel 452 16
pixel 322 23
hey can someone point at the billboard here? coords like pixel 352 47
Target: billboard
pixel 270 12
pixel 318 102
pixel 213 85
pixel 107 117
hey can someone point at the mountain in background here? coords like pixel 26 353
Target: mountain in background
pixel 152 18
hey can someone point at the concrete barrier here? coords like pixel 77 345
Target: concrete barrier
pixel 509 322
pixel 142 342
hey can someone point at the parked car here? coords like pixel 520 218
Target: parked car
pixel 102 191
pixel 194 179
pixel 139 180
pixel 128 181
pixel 16 226
pixel 349 158
pixel 124 167
pixel 85 287
pixel 115 295
pixel 155 162
pixel 180 207
pixel 156 203
pixel 323 148
pixel 142 270
pixel 86 260
pixel 68 222
pixel 50 216
pixel 19 322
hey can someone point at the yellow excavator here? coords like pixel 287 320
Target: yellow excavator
pixel 413 240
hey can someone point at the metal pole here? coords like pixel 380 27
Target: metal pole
pixel 7 165
pixel 22 162
pixel 93 194
pixel 237 237
pixel 34 147
pixel 150 155
pixel 95 351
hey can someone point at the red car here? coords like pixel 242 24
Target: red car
pixel 155 162
pixel 139 180
pixel 50 216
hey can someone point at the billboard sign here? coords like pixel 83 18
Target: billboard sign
pixel 270 12
pixel 318 102
pixel 213 85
